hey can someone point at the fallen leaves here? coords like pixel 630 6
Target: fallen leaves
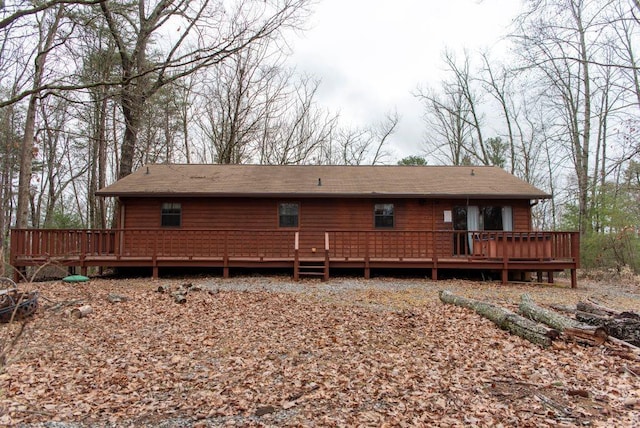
pixel 376 357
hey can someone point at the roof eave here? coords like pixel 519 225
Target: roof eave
pixel 321 195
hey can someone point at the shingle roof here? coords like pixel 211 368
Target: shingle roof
pixel 322 181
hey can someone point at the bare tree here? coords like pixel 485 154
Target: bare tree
pixel 297 131
pixel 453 115
pixel 47 30
pixel 551 34
pixel 240 99
pixel 366 145
pixel 207 34
pixel 447 132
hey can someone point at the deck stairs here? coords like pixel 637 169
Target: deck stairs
pixel 314 268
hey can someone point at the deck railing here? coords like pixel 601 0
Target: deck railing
pixel 410 244
pixel 206 243
pixel 347 244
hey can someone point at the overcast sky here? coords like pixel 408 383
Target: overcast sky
pixel 371 54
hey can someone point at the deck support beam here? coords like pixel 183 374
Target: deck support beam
pixel 367 269
pixel 155 272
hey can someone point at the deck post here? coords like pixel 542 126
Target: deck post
pixel 155 272
pixel 367 269
pixel 434 269
pixel 225 258
pixel 296 257
pixel 505 263
pixel 574 278
pixel 326 257
pixel 550 277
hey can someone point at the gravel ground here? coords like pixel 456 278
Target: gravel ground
pixel 620 294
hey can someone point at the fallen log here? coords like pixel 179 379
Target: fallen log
pixel 594 336
pixel 594 308
pixel 564 308
pixel 569 327
pixel 627 329
pixel 81 312
pixel 529 309
pixel 163 288
pixel 505 319
pixel 179 297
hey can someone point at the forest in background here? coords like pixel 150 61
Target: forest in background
pixel 91 90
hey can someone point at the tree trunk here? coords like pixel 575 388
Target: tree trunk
pixel 28 140
pixel 81 312
pixel 596 309
pixel 505 319
pixel 622 325
pixel 131 114
pixel 569 327
pixel 529 309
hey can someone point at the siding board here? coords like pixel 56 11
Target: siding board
pixel 316 217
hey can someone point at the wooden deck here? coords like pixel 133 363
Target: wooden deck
pixel 306 253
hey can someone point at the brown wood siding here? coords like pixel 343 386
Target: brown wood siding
pixel 316 216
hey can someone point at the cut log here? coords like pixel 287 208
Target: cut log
pixel 614 312
pixel 591 318
pixel 569 327
pixel 564 308
pixel 81 312
pixel 179 297
pixel 594 308
pixel 116 298
pixel 505 319
pixel 529 309
pixel 627 329
pixel 595 336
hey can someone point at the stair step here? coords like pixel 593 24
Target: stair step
pixel 311 273
pixel 311 266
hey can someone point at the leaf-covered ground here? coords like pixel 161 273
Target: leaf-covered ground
pixel 264 351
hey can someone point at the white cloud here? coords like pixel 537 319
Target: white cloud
pixel 370 55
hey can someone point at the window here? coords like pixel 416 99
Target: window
pixel 383 215
pixel 288 215
pixel 491 218
pixel 483 218
pixel 476 218
pixel 171 214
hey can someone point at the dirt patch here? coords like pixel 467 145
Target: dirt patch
pixel 265 351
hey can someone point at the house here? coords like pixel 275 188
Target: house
pixel 314 219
